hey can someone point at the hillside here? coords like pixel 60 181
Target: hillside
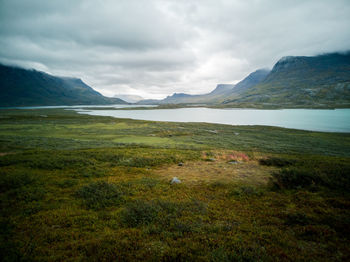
pixel 300 80
pixel 251 80
pixel 21 87
pixel 294 81
pixel 221 93
pixel 214 96
pixel 129 98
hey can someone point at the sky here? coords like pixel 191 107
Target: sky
pixel 154 48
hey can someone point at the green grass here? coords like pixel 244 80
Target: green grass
pixel 63 129
pixel 83 188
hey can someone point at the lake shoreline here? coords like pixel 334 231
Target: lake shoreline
pixel 300 119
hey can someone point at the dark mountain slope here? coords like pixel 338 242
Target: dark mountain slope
pixel 222 89
pixel 250 81
pixel 319 80
pixel 21 87
pixel 221 93
pixel 213 97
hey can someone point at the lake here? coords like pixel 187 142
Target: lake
pixel 76 106
pixel 337 120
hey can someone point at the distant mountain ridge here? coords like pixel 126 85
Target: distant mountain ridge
pixel 251 80
pixel 218 95
pixel 22 87
pixel 222 89
pixel 182 98
pixel 302 80
pixel 294 81
pixel 129 98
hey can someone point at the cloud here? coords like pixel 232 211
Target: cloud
pixel 154 48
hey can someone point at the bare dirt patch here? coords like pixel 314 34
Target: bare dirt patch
pixel 219 170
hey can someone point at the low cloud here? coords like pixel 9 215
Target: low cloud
pixel 154 48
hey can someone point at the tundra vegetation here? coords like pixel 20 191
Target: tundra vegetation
pixel 86 188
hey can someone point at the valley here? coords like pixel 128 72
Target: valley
pixel 80 187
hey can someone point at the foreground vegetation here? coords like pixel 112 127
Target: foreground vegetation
pixel 84 188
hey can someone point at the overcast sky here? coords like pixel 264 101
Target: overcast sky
pixel 154 48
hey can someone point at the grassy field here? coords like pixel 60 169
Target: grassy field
pixel 85 188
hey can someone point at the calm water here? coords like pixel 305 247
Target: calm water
pixel 78 106
pixel 307 119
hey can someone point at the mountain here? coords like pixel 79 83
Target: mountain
pixel 129 98
pixel 22 87
pixel 214 96
pixel 251 80
pixel 294 81
pixel 247 83
pixel 322 80
pixel 218 95
pixel 179 98
pixel 149 102
pixel 221 93
pixel 222 89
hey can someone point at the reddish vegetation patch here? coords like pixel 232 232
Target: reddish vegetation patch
pixel 226 156
pixel 5 153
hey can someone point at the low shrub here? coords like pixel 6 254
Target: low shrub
pixel 297 219
pixel 314 174
pixel 67 183
pixel 27 194
pixel 139 212
pixel 14 180
pixel 245 191
pixel 336 176
pixel 276 161
pixel 99 195
pixel 293 178
pixel 142 212
pixel 21 186
pixel 148 182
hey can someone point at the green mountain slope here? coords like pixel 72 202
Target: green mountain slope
pixel 303 81
pixel 251 80
pixel 222 92
pixel 214 96
pixel 21 87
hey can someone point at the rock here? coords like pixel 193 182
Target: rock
pixel 236 133
pixel 180 164
pixel 211 159
pixel 233 162
pixel 175 180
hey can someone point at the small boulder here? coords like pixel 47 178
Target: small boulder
pixel 180 164
pixel 233 162
pixel 175 180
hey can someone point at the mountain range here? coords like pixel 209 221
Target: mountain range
pixel 129 98
pixel 294 81
pixel 22 87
